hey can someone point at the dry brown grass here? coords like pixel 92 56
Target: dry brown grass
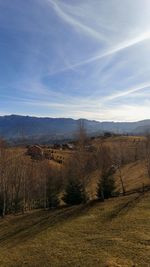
pixel 134 176
pixel 113 233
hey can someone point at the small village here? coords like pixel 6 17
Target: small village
pixel 57 152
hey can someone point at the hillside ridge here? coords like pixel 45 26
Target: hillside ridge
pixel 18 126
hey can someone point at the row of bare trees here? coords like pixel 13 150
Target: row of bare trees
pixel 26 184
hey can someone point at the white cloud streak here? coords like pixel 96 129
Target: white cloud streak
pixel 118 47
pixel 75 23
pixel 127 92
pixel 109 35
pixel 127 44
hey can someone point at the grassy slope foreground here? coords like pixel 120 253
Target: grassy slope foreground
pixel 113 233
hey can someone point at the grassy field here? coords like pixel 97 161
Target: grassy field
pixel 134 176
pixel 113 233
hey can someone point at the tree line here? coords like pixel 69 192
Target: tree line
pixel 27 184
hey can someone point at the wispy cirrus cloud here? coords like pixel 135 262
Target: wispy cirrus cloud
pixel 114 50
pixel 124 93
pixel 83 58
pixel 67 14
pixel 75 22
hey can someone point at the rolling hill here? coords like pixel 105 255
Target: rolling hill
pixel 114 233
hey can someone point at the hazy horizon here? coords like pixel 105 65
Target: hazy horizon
pixel 80 118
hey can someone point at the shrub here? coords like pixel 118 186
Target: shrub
pixel 74 193
pixel 106 185
pixel 53 199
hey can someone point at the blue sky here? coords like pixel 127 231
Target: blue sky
pixel 75 58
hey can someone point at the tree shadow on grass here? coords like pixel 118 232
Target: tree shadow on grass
pixel 24 227
pixel 123 208
pixel 18 229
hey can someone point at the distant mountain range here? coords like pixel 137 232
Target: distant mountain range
pixel 16 127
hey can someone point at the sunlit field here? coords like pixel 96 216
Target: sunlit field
pixel 114 233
